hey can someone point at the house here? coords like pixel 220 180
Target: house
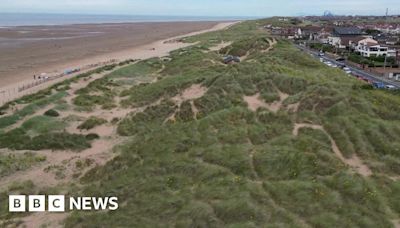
pixel 371 48
pixel 335 41
pixel 387 39
pixel 350 42
pixel 345 33
pixel 309 32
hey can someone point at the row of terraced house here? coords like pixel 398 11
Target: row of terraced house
pixel 351 38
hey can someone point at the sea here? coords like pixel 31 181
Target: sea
pixel 33 19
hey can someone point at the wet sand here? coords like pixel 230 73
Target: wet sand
pixel 32 50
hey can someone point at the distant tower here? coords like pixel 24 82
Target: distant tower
pixel 328 13
pixel 387 14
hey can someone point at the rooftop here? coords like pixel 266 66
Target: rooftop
pixel 347 31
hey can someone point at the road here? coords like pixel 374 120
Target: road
pixel 367 75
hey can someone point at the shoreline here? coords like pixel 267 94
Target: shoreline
pixel 114 23
pixel 16 19
pixel 158 48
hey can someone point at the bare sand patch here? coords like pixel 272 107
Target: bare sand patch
pixel 293 107
pixel 396 223
pixel 193 92
pixel 255 102
pixel 44 219
pixel 220 46
pixel 354 162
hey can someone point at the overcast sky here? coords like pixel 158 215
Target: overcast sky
pixel 253 8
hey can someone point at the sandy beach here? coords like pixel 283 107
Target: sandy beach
pixel 30 50
pixel 16 76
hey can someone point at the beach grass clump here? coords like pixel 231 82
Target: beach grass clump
pixel 90 101
pixel 139 69
pixel 12 163
pixel 43 124
pixel 246 46
pixel 168 87
pixel 51 113
pixel 91 123
pixel 30 109
pixel 143 121
pixel 20 139
pixel 59 141
pixel 92 136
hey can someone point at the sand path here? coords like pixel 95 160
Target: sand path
pixel 272 44
pixel 220 46
pixel 354 162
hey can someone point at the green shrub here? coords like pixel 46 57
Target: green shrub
pixel 91 123
pixel 52 113
pixel 92 136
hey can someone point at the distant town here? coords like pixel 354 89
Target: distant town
pixel 370 43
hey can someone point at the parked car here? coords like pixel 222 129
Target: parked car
pixel 379 85
pixel 231 59
pixel 390 87
pixel 341 59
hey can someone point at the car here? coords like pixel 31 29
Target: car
pixel 341 59
pixel 321 54
pixel 379 85
pixel 334 66
pixel 346 69
pixel 390 87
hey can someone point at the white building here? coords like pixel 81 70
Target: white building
pixel 370 48
pixel 334 41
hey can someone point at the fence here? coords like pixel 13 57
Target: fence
pixel 30 87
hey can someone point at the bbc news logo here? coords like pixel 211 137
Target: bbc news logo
pixel 58 203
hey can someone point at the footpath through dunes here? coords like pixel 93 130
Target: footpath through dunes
pixel 354 162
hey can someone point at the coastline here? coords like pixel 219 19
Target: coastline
pixel 158 48
pixel 33 50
